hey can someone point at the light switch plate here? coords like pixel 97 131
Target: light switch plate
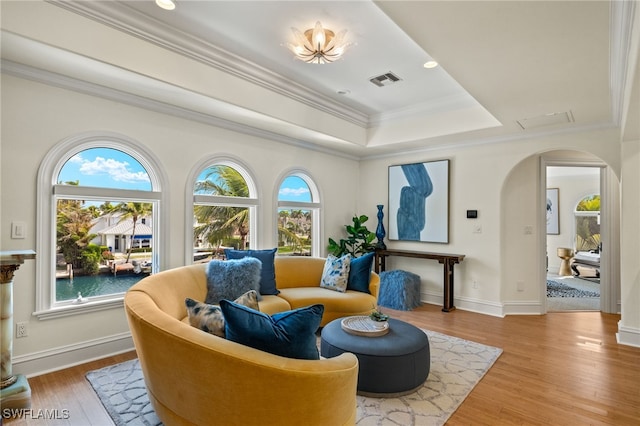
pixel 18 230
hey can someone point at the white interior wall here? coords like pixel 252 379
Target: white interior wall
pixel 501 181
pixel 629 326
pixel 36 117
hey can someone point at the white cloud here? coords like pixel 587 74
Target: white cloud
pixel 77 159
pixel 294 191
pixel 117 170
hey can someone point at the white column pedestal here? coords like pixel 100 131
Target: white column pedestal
pixel 15 392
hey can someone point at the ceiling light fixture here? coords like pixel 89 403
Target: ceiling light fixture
pixel 430 64
pixel 318 45
pixel 166 4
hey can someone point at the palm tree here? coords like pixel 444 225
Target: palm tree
pixel 73 230
pixel 133 211
pixel 288 235
pixel 221 221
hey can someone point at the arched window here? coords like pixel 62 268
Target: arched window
pixel 100 201
pixel 298 216
pixel 587 223
pixel 224 209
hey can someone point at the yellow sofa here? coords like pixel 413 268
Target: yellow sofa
pixel 196 378
pixel 298 279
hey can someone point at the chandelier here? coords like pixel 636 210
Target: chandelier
pixel 318 45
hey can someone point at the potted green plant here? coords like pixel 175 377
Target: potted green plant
pixel 358 241
pixel 379 318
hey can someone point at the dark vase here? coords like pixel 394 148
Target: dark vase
pixel 380 232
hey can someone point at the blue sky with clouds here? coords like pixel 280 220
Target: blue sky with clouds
pixel 110 168
pixel 294 188
pixel 105 168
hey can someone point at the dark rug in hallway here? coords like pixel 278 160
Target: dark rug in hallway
pixel 557 289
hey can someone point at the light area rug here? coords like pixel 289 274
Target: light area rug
pixel 457 365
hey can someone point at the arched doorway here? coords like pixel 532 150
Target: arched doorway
pixel 523 232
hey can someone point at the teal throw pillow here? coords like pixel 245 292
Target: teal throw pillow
pixel 360 273
pixel 290 334
pixel 268 272
pixel 336 273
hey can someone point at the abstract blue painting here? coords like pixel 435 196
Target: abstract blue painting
pixel 419 202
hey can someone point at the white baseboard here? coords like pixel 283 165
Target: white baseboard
pixel 37 363
pixel 466 304
pixel 628 336
pixel 522 307
pixel 527 307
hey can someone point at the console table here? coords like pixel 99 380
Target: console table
pixel 447 260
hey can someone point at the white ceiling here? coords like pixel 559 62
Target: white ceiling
pixel 259 30
pixel 544 65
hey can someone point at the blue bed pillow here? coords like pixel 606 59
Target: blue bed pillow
pixel 290 334
pixel 268 272
pixel 360 273
pixel 229 279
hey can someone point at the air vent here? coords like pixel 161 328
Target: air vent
pixel 552 119
pixel 385 79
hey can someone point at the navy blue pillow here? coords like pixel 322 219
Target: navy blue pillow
pixel 268 273
pixel 360 273
pixel 291 334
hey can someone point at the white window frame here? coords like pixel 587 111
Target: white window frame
pixel 49 192
pixel 252 202
pixel 315 206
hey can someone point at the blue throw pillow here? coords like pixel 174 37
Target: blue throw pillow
pixel 268 273
pixel 229 279
pixel 360 273
pixel 290 334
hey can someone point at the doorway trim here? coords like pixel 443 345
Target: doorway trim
pixel 609 225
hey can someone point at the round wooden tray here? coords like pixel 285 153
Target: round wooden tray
pixel 363 326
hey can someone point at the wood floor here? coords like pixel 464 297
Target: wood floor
pixel 556 369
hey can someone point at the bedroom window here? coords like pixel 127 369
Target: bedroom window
pixel 298 216
pixel 587 224
pixel 224 210
pixel 99 230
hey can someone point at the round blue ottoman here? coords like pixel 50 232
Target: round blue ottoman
pixel 391 365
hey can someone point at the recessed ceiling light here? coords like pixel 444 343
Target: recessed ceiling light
pixel 343 92
pixel 166 4
pixel 430 64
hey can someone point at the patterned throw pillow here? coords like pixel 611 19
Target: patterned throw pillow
pixel 209 318
pixel 336 273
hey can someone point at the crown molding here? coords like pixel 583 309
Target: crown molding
pixel 443 104
pixel 491 140
pixel 64 82
pixel 134 23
